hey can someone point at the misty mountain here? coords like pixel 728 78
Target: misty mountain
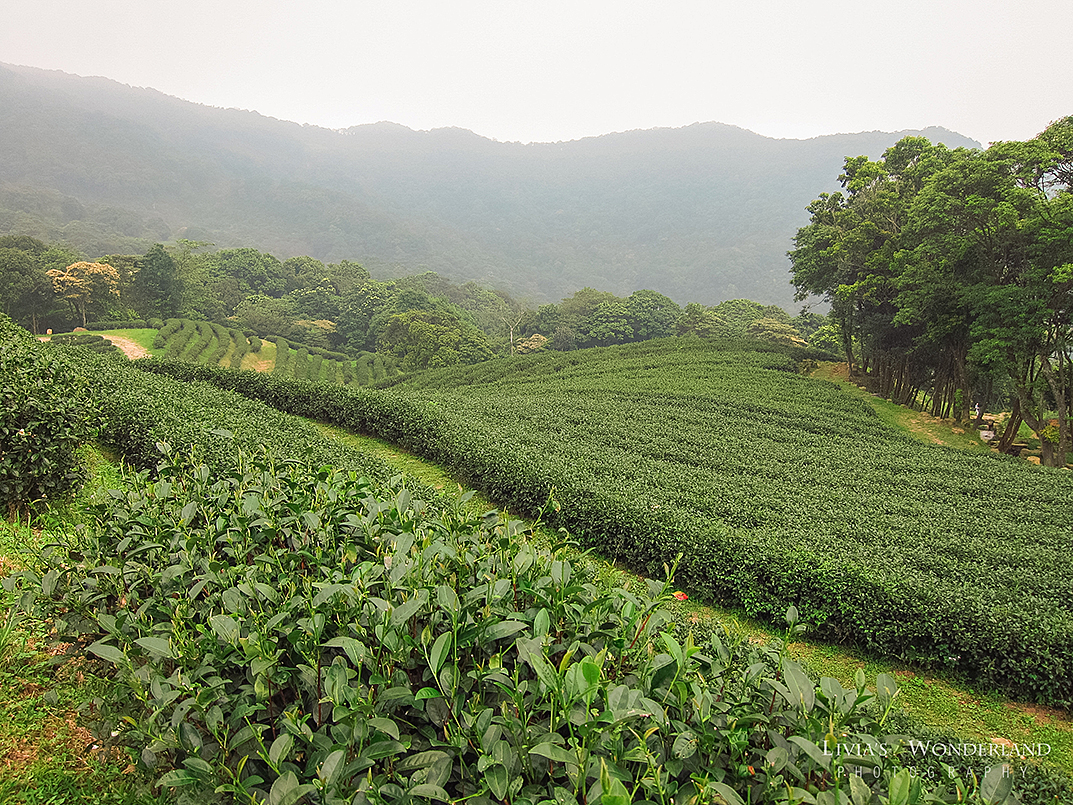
pixel 701 213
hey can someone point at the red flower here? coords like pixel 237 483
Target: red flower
pixel 681 596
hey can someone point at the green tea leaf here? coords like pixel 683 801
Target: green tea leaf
pixel 429 792
pixel 553 752
pixel 332 766
pixel 155 645
pixel 225 627
pixel 108 652
pixel 997 785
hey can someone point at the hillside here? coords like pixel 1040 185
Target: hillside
pixel 776 489
pixel 702 213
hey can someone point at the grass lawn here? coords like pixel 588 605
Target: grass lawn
pixel 918 424
pixel 142 337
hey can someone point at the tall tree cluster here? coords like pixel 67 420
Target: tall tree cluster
pixel 950 276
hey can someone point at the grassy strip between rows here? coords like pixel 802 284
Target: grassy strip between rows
pixel 944 705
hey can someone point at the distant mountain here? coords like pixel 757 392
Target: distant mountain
pixel 702 213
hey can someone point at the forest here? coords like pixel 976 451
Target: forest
pixel 419 322
pixel 950 276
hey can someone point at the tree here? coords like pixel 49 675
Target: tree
pixel 575 312
pixel 83 284
pixel 651 314
pixel 266 315
pixel 738 315
pixel 303 272
pixel 239 273
pixel 25 290
pixel 357 308
pixel 197 299
pixel 534 343
pixel 849 254
pixel 156 284
pixel 609 324
pixel 776 331
pixel 702 322
pixel 427 339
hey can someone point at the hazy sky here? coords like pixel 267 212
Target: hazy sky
pixel 552 70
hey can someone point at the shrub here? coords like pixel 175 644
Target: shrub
pixel 45 414
pixel 301 364
pixel 284 361
pixel 281 631
pixel 135 324
pixel 92 342
pixel 165 333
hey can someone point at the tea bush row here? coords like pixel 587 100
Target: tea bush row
pixel 136 324
pixel 313 363
pixel 203 342
pixel 46 412
pixel 91 341
pixel 286 633
pixel 139 411
pixel 777 489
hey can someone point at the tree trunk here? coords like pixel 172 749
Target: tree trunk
pixel 1013 424
pixel 1056 456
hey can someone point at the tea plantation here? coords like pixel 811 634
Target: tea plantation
pixel 284 623
pixel 776 489
pixel 215 345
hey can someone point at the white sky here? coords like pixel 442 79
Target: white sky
pixel 551 70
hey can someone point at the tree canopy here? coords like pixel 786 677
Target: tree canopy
pixel 950 272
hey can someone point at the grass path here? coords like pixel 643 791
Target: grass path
pixel 946 705
pixel 918 424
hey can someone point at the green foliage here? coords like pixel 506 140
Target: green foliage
pixel 176 345
pixel 765 481
pixel 300 370
pixel 156 286
pixel 45 414
pixel 132 324
pixel 95 343
pixel 283 366
pixel 164 333
pixel 280 631
pixel 421 339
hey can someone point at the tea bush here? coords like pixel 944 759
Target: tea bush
pixel 134 324
pixel 286 633
pixel 46 412
pixel 777 490
pixel 96 343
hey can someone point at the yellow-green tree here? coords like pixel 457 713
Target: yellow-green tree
pixel 84 283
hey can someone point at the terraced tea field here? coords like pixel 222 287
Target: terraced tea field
pixel 776 489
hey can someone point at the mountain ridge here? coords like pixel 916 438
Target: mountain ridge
pixel 704 212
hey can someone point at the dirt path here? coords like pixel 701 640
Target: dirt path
pixel 132 349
